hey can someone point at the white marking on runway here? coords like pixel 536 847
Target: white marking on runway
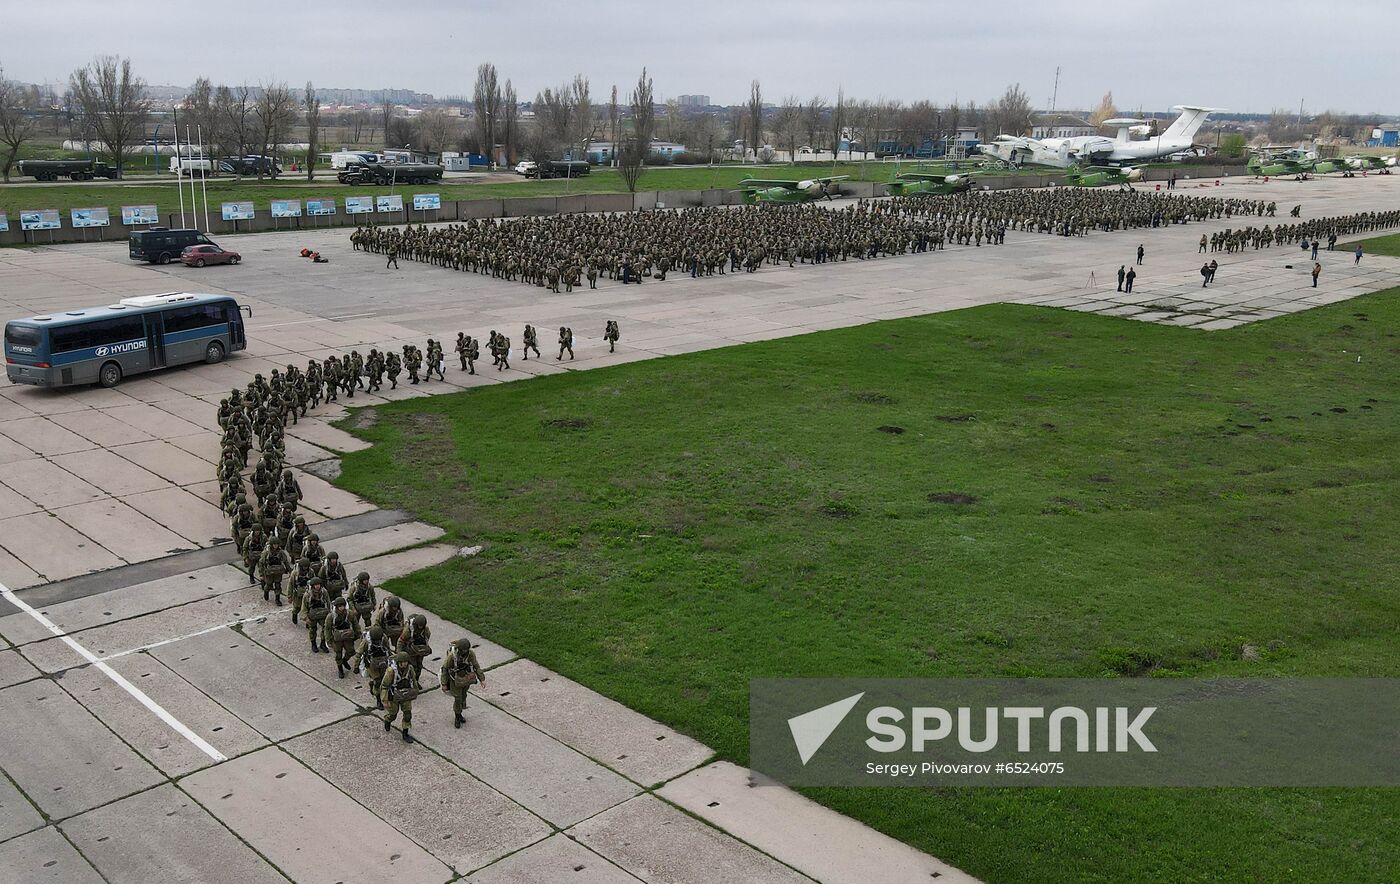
pixel 159 710
pixel 354 315
pixel 171 641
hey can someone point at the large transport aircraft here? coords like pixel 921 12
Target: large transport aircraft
pixel 1097 150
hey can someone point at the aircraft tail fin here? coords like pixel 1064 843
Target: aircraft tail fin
pixel 1190 121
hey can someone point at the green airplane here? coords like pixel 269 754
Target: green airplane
pixel 1360 163
pixel 762 190
pixel 1278 167
pixel 1328 166
pixel 1100 176
pixel 914 183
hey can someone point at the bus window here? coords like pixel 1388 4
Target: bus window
pixel 199 316
pixel 23 336
pixel 97 334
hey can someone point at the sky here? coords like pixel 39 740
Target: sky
pixel 1246 57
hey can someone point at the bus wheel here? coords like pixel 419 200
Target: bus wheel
pixel 214 352
pixel 163 259
pixel 110 375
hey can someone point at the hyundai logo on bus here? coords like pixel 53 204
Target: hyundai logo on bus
pixel 16 348
pixel 120 348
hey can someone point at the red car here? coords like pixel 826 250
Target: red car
pixel 198 256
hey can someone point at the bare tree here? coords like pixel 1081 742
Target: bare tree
pixel 113 103
pixel 486 107
pixel 510 120
pixel 359 120
pixel 812 120
pixel 1105 111
pixel 582 113
pixel 787 126
pixel 17 119
pixel 638 143
pixel 837 122
pixel 233 110
pixel 1012 112
pixel 614 116
pixel 436 130
pixel 755 110
pixel 275 111
pixel 386 117
pixel 198 111
pixel 705 132
pixel 311 106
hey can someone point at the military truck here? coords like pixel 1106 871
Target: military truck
pixel 559 169
pixel 78 170
pixel 389 173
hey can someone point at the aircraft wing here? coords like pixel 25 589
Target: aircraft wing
pixel 832 178
pixel 924 176
pixel 761 183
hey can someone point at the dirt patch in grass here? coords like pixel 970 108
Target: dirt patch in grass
pixel 872 397
pixel 955 418
pixel 567 423
pixel 953 497
pixel 837 510
pixel 892 430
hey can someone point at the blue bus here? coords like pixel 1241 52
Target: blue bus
pixel 102 345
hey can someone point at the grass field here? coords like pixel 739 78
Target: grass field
pixel 1072 495
pixel 289 186
pixel 1377 245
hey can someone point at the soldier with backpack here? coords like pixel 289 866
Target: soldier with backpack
pixel 315 605
pixel 372 655
pixel 414 641
pixel 398 688
pixel 460 670
pixel 341 629
pixel 611 335
pixel 361 597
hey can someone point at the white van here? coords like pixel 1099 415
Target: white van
pixel 191 165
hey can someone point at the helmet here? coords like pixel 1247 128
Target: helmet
pixel 301 520
pixel 363 575
pixel 333 555
pixel 313 536
pixel 275 542
pixel 463 644
pixel 339 601
pixel 393 602
pixel 376 632
pixel 401 657
pixel 419 620
pixel 316 581
pixel 303 562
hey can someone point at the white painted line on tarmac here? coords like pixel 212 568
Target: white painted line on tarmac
pixel 285 324
pixel 354 315
pixel 171 641
pixel 159 710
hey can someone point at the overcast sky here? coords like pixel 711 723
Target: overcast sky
pixel 1243 56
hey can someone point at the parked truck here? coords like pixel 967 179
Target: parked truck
pixel 389 173
pixel 558 169
pixel 77 170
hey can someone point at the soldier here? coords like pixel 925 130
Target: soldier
pixel 435 360
pixel 412 361
pixel 332 574
pixel 566 342
pixel 503 351
pixel 253 544
pixel 461 349
pixel 398 688
pixel 460 670
pixel 357 370
pixel 393 256
pixel 531 343
pixel 393 366
pixel 273 565
pixel 288 489
pixel 341 630
pixel 414 640
pixel 315 605
pixel 372 654
pixel 389 617
pixel 297 538
pixel 374 367
pixel 313 550
pixel 611 334
pixel 473 354
pixel 297 586
pixel 361 597
pixel 243 521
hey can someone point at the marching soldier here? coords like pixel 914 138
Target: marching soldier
pixel 361 597
pixel 461 349
pixel 372 655
pixel 297 586
pixel 414 641
pixel 332 574
pixel 611 335
pixel 273 565
pixel 389 617
pixel 398 688
pixel 473 354
pixel 531 342
pixel 460 670
pixel 342 627
pixel 566 342
pixel 394 367
pixel 253 544
pixel 315 606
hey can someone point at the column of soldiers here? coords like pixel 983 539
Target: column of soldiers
pixel 1232 240
pixel 345 618
pixel 630 247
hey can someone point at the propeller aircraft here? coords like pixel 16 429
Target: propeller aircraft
pixel 761 190
pixel 914 183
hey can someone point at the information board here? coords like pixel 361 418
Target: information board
pixel 321 207
pixel 140 215
pixel 39 219
pixel 389 203
pixel 94 217
pixel 286 209
pixel 424 201
pixel 238 211
pixel 4 222
pixel 359 205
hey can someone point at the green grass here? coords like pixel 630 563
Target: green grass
pixel 1145 496
pixel 141 191
pixel 1376 245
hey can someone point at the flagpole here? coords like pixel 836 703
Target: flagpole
pixel 179 170
pixel 204 178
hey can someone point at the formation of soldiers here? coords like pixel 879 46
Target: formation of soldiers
pixel 342 617
pixel 562 251
pixel 1233 240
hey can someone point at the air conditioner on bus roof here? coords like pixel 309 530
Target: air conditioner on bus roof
pixel 157 300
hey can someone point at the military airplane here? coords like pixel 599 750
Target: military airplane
pixel 1095 149
pixel 1099 176
pixel 1268 165
pixel 1326 166
pixel 912 183
pixel 760 190
pixel 1360 163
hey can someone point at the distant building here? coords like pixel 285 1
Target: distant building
pixel 602 151
pixel 1061 126
pixel 693 100
pixel 1385 135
